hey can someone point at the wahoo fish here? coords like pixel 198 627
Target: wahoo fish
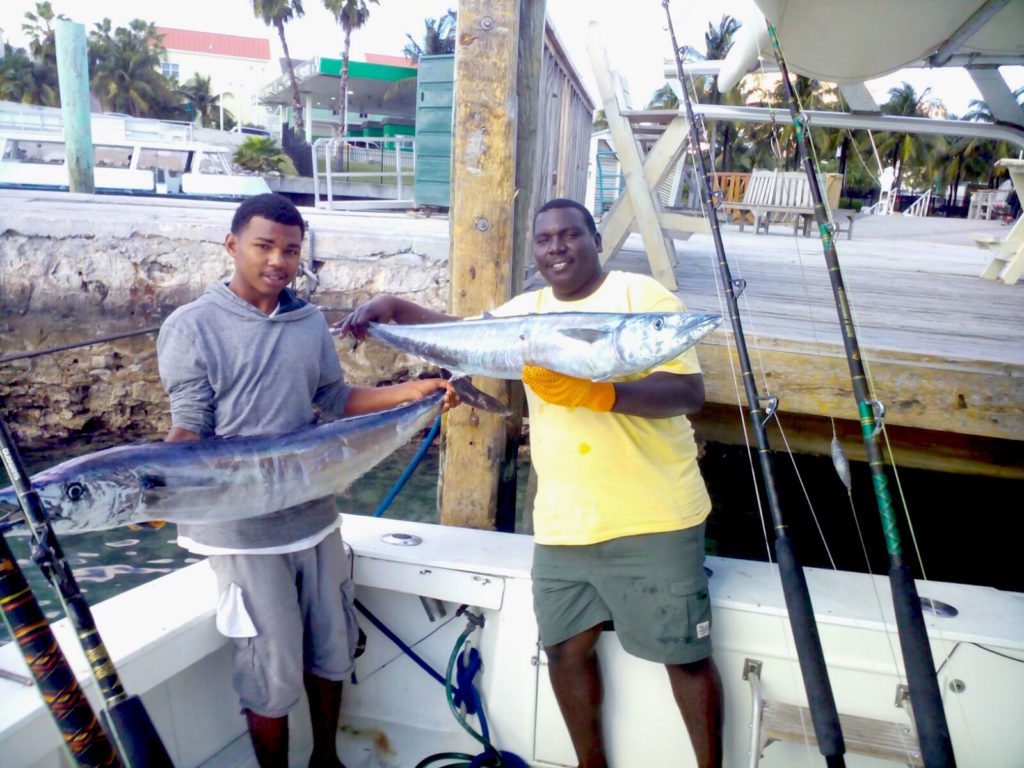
pixel 588 345
pixel 219 479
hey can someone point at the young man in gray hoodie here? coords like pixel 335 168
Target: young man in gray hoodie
pixel 246 358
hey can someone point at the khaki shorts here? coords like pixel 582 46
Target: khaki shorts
pixel 653 587
pixel 301 604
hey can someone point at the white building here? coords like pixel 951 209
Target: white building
pixel 238 67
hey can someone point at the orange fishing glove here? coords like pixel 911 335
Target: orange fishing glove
pixel 558 389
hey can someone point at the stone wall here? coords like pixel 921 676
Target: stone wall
pixel 104 272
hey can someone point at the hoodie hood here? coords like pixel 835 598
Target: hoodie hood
pixel 290 306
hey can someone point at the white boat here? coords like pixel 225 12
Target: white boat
pixel 162 639
pixel 134 166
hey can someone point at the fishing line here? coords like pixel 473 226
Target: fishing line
pixel 804 638
pixel 691 157
pixel 818 347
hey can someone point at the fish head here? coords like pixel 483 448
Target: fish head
pixel 76 497
pixel 647 339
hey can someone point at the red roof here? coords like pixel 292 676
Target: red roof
pixel 391 61
pixel 214 43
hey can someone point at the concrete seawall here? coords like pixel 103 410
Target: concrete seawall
pixel 77 267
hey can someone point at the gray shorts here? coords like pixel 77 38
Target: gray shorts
pixel 653 587
pixel 301 604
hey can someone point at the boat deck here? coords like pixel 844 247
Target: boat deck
pixel 942 345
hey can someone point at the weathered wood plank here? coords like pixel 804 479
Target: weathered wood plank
pixel 660 250
pixel 482 223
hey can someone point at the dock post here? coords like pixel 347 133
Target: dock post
pixel 73 79
pixel 486 116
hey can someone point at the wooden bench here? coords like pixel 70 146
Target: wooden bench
pixel 784 197
pixel 756 197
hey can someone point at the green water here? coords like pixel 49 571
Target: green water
pixel 959 520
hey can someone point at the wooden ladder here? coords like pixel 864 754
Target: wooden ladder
pixel 773 721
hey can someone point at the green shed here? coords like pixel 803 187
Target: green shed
pixel 434 87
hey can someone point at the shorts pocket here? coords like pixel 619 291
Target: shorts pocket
pixel 355 634
pixel 249 677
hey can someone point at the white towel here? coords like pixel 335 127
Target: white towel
pixel 232 618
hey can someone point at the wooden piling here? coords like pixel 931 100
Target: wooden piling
pixel 73 80
pixel 482 237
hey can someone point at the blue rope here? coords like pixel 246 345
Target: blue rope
pixel 407 472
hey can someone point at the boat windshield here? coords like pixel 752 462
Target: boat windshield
pixel 215 163
pixel 169 160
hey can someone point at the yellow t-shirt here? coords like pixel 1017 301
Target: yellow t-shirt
pixel 602 476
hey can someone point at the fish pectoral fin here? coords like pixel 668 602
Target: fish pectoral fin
pixel 589 335
pixel 475 398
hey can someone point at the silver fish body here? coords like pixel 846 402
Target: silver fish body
pixel 221 479
pixel 588 345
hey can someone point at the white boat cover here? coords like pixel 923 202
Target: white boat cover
pixel 843 41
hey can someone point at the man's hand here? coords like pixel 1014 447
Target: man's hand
pixel 558 389
pixel 420 388
pixel 378 310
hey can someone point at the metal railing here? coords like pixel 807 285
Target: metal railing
pixel 30 118
pixel 920 206
pixel 363 172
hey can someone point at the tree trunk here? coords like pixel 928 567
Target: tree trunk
pixel 343 103
pixel 300 118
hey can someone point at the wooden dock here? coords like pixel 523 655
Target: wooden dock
pixel 943 347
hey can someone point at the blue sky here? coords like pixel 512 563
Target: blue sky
pixel 637 41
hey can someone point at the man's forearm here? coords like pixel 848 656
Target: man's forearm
pixel 660 396
pixel 408 313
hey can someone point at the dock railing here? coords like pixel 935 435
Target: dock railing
pixel 361 172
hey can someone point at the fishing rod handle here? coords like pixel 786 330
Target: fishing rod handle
pixel 62 694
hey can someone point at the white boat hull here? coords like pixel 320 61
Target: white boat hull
pixel 162 639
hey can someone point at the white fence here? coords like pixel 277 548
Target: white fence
pixel 361 172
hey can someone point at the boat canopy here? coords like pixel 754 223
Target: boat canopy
pixel 840 41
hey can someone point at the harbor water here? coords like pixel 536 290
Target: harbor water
pixel 952 517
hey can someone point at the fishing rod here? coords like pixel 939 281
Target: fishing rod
pixel 104 339
pixel 925 698
pixel 137 741
pixel 82 734
pixel 824 714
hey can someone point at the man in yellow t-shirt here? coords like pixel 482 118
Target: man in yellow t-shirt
pixel 620 506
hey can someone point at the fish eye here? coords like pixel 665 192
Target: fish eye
pixel 659 323
pixel 75 491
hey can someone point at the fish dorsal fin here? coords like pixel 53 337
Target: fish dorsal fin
pixel 589 335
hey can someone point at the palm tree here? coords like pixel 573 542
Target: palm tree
pixel 717 42
pixel 27 81
pixel 905 148
pixel 125 66
pixel 205 104
pixel 664 98
pixel 39 29
pixel 438 38
pixel 276 13
pixel 351 14
pixel 262 155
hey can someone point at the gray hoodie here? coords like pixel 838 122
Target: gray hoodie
pixel 231 370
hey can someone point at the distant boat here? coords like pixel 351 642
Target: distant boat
pixel 127 166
